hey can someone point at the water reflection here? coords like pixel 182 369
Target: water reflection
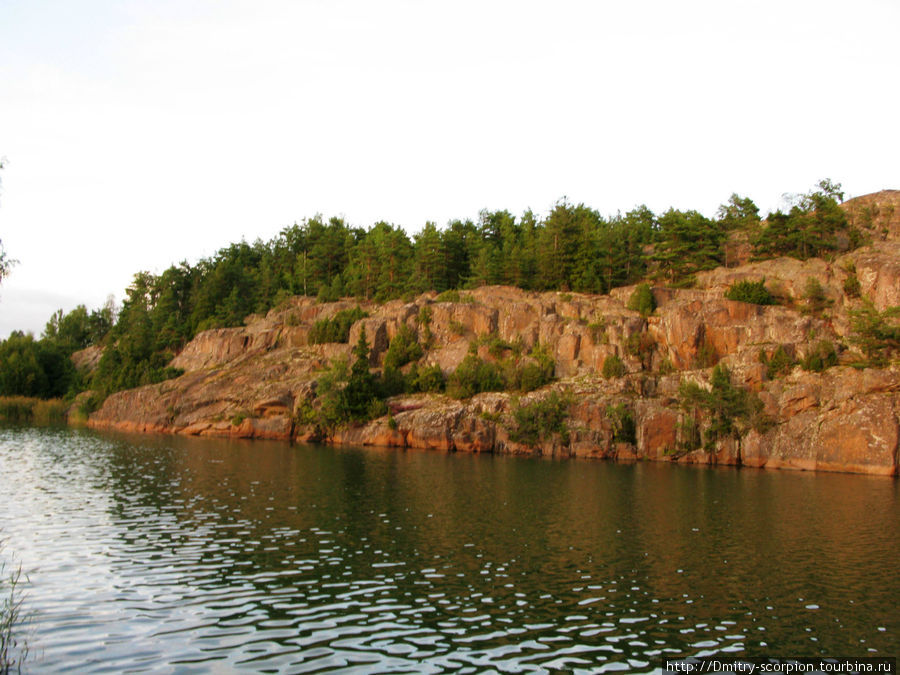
pixel 181 554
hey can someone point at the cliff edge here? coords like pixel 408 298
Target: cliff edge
pixel 260 380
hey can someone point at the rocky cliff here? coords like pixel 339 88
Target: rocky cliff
pixel 256 381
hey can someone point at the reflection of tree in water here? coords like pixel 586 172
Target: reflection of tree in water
pixel 430 550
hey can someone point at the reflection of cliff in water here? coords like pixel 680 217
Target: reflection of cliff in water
pixel 208 550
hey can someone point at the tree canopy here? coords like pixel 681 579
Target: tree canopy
pixel 573 248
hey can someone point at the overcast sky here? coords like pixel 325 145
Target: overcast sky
pixel 139 133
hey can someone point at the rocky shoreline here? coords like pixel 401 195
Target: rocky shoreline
pixel 254 381
pixel 258 380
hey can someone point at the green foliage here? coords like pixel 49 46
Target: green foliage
pixel 430 379
pixel 13 646
pixel 79 329
pixel 337 328
pixel 687 242
pixel 740 213
pixel 642 300
pixel 622 420
pixel 424 321
pixel 666 367
pixel 90 402
pixel 454 296
pixel 36 368
pixel 305 414
pixel 599 335
pixel 361 386
pixel 754 292
pixel 541 419
pixel 16 409
pixel 456 327
pixel 349 393
pixel 851 286
pixel 474 376
pixel 238 418
pixel 393 382
pixel 641 345
pixel 497 346
pixel 6 263
pixel 537 371
pixel 780 363
pixel 812 226
pixel 333 292
pixel 730 411
pixel 572 249
pixel 25 410
pixel 814 294
pixel 689 436
pixel 820 357
pixel 613 366
pixel 876 333
pixel 706 356
pixel 530 372
pixel 403 349
pixel 329 396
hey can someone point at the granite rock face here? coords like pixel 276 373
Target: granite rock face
pixel 258 381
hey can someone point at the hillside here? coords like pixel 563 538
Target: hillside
pixel 261 380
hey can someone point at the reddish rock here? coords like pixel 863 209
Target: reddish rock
pixel 264 374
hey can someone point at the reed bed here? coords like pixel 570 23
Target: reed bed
pixel 25 410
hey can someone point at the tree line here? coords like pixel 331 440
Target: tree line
pixel 573 248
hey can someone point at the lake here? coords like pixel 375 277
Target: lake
pixel 177 554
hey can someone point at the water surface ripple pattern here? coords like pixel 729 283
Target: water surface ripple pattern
pixel 192 555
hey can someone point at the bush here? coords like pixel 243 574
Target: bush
pixel 496 345
pixel 641 346
pixel 456 327
pixel 337 328
pixel 754 292
pixel 534 372
pixel 394 382
pixel 780 363
pixel 731 410
pixel 876 333
pixel 820 357
pixel 454 296
pixel 622 420
pixel 851 287
pixel 541 419
pixel 599 335
pixel 474 376
pixel 404 348
pixel 642 300
pixel 613 366
pixel 238 418
pixel 430 379
pixel 815 296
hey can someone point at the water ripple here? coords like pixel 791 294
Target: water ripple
pixel 187 555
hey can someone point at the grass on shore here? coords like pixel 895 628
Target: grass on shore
pixel 25 410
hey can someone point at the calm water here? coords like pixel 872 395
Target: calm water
pixel 193 555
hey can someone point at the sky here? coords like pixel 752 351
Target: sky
pixel 140 133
